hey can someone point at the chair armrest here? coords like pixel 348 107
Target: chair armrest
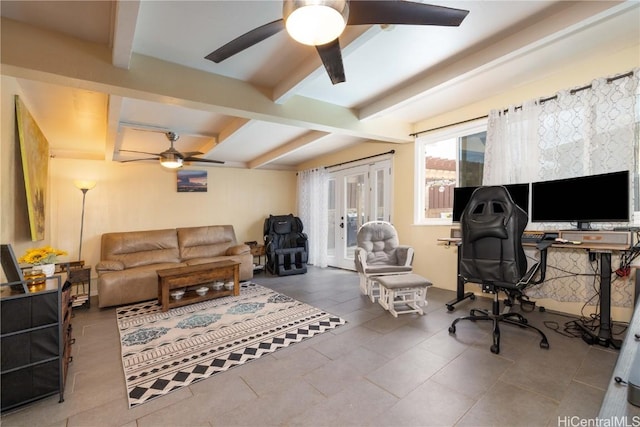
pixel 238 250
pixel 109 265
pixel 542 248
pixel 303 241
pixel 360 259
pixel 405 255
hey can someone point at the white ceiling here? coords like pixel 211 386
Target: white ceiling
pixel 272 105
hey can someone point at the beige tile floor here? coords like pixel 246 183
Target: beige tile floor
pixel 375 371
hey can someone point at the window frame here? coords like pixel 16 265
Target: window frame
pixel 421 142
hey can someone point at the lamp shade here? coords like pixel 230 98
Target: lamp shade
pixel 84 184
pixel 171 161
pixel 315 22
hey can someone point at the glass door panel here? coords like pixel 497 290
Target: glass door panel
pixel 356 195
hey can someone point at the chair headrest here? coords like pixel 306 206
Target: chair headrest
pixel 494 227
pixel 376 232
pixel 282 227
pixel 282 224
pixel 487 213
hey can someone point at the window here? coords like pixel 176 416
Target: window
pixel 450 158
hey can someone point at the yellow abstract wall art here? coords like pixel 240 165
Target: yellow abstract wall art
pixel 34 150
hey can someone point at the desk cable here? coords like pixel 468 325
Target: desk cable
pixel 591 321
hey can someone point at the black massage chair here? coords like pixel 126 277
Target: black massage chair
pixel 286 245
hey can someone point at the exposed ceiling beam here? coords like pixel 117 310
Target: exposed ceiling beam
pixel 232 127
pixel 563 17
pixel 123 24
pixel 112 143
pixel 42 55
pixel 284 149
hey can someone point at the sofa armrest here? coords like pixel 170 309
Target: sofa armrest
pixel 238 250
pixel 109 265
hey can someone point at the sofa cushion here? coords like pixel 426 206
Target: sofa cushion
pixel 138 248
pixel 238 250
pixel 206 241
pixel 196 261
pixel 130 285
pixel 110 265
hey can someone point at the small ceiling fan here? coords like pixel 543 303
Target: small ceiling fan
pixel 172 158
pixel 319 23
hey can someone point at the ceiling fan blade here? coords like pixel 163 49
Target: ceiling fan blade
pixel 191 153
pixel 139 160
pixel 403 12
pixel 246 40
pixel 332 59
pixel 141 152
pixel 197 159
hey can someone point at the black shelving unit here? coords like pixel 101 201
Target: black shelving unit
pixel 35 341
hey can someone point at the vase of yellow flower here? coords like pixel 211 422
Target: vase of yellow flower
pixel 43 259
pixel 35 279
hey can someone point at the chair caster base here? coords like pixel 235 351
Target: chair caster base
pixel 452 329
pixel 495 349
pixel 544 344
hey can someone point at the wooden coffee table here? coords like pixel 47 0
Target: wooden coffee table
pixel 193 276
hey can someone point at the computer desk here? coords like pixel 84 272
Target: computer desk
pixel 604 336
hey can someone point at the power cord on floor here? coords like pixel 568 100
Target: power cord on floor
pixel 574 328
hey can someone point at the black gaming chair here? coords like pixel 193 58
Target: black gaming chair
pixel 492 255
pixel 286 245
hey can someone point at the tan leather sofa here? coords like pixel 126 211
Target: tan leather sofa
pixel 129 260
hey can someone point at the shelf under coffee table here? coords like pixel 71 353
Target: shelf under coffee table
pixel 193 275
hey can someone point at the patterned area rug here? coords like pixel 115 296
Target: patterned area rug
pixel 162 352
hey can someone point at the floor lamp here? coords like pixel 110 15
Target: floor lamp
pixel 84 186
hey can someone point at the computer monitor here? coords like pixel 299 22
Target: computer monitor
pixel 11 268
pixel 461 196
pixel 585 199
pixel 10 264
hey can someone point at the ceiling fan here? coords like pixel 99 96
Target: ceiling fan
pixel 172 158
pixel 319 23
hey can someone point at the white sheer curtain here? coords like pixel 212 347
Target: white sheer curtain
pixel 511 152
pixel 584 131
pixel 313 205
pixel 590 131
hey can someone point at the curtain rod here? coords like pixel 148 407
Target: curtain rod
pixel 362 158
pixel 542 101
pixel 589 86
pixel 446 126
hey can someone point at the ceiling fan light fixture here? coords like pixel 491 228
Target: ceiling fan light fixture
pixel 171 161
pixel 315 22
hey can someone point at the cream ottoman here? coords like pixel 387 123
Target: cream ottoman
pixel 408 290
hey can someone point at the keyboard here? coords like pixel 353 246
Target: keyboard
pixel 532 236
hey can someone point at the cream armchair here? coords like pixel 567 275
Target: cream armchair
pixel 378 253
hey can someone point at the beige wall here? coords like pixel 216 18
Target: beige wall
pixel 143 196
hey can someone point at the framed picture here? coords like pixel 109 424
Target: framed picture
pixel 190 181
pixel 34 150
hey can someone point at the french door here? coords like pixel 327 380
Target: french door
pixel 356 195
